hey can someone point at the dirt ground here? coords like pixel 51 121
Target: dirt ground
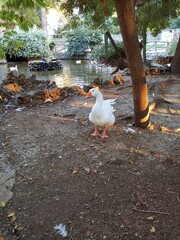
pixel 125 187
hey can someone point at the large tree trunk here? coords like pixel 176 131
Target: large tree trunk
pixel 175 65
pixel 126 16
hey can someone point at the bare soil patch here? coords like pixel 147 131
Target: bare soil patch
pixel 124 187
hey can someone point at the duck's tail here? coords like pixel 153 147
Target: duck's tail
pixel 111 102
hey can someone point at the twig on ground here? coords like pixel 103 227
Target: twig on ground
pixel 123 87
pixel 125 117
pixel 63 118
pixel 151 211
pixel 70 233
pixel 171 192
pixel 25 177
pixel 135 174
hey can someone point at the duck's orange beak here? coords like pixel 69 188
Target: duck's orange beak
pixel 89 95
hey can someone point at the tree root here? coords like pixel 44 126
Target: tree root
pixel 157 101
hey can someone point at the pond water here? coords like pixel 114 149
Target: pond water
pixel 73 72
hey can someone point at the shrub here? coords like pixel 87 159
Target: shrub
pixel 81 39
pixel 25 44
pixel 98 52
pixel 52 45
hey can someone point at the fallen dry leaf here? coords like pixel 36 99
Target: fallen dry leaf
pixel 155 127
pixel 152 230
pixel 74 170
pixel 87 169
pixel 95 171
pixel 3 204
pixel 10 215
pixel 174 111
pixel 150 218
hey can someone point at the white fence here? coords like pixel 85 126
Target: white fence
pixel 156 46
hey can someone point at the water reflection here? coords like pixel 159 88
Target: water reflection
pixel 73 72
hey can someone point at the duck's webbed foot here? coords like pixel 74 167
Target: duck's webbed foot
pixel 95 133
pixel 104 135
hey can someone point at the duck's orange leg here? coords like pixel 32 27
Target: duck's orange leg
pixel 95 133
pixel 104 135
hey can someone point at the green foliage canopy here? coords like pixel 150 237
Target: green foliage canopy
pixel 95 11
pixel 24 13
pixel 157 14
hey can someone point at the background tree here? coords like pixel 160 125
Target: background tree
pixel 95 15
pixel 43 18
pixel 155 16
pixel 176 60
pixel 22 13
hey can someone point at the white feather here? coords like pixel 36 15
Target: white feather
pixel 61 229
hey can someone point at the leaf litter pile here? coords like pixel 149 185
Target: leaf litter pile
pixel 58 182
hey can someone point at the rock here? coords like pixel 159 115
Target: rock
pixel 86 88
pixel 7 180
pixel 164 60
pixel 54 94
pixel 78 90
pixel 111 83
pixel 2 61
pixel 155 69
pixel 82 92
pixel 24 99
pixel 48 65
pixel 97 82
pixel 5 94
pixel 38 98
pixel 13 87
pixel 125 72
pixel 118 79
pixel 39 95
pixel 32 78
pixel 22 79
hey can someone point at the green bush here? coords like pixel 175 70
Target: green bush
pixel 29 44
pixel 82 39
pixel 98 52
pixel 52 45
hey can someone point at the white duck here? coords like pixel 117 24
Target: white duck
pixel 14 70
pixel 102 112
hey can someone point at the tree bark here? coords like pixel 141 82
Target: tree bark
pixel 175 65
pixel 112 41
pixel 106 44
pixel 43 20
pixel 126 17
